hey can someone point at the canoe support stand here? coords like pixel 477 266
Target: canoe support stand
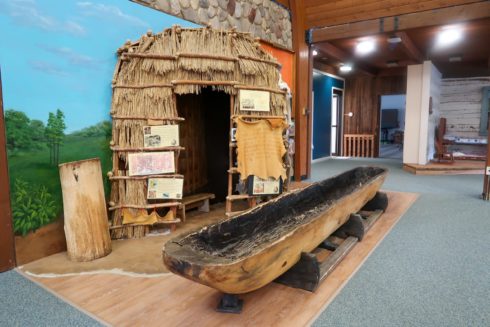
pixel 230 303
pixel 309 271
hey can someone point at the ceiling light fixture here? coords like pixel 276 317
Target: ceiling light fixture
pixel 455 59
pixel 449 36
pixel 346 68
pixel 394 39
pixel 392 63
pixel 315 53
pixel 365 47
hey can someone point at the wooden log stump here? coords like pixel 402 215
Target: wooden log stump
pixel 86 223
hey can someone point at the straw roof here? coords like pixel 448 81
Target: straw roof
pixel 153 70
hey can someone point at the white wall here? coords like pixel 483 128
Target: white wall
pixel 412 114
pixel 422 83
pixel 461 104
pixel 435 94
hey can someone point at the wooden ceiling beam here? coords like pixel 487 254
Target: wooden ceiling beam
pixel 396 71
pixel 409 47
pixel 370 9
pixel 421 19
pixel 339 55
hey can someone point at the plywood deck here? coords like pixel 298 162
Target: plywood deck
pixel 170 300
pixel 459 167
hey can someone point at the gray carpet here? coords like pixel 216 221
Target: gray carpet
pixel 23 303
pixel 433 269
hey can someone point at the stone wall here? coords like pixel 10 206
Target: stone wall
pixel 265 19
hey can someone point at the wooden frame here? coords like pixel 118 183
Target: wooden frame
pixel 7 245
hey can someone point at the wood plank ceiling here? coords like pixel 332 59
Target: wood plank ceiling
pixel 321 13
pixel 467 58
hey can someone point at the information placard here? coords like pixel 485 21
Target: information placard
pixel 258 186
pixel 151 163
pixel 254 100
pixel 160 136
pixel 165 188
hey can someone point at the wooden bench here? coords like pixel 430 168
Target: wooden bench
pixel 200 201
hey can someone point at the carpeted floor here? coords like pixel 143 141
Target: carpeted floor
pixel 433 269
pixel 23 303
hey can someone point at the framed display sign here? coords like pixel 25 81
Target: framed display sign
pixel 162 135
pixel 165 188
pixel 258 186
pixel 151 163
pixel 254 100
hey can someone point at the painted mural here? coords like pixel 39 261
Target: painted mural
pixel 57 60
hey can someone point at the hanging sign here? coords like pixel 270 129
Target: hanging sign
pixel 258 186
pixel 151 163
pixel 254 100
pixel 162 135
pixel 165 188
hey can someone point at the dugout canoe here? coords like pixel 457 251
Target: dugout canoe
pixel 252 249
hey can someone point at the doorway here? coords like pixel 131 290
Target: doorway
pixel 392 126
pixel 205 136
pixel 327 98
pixel 336 128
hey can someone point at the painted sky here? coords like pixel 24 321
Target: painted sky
pixel 61 54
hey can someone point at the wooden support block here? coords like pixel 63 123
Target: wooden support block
pixel 305 274
pixel 353 227
pixel 379 202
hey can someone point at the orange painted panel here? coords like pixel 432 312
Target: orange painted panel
pixel 285 58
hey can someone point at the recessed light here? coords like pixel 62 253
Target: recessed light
pixel 394 39
pixel 315 52
pixel 346 68
pixel 365 47
pixel 392 63
pixel 448 36
pixel 455 59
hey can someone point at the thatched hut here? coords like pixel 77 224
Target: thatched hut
pixel 190 77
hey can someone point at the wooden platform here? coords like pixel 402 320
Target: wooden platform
pixel 173 301
pixel 459 167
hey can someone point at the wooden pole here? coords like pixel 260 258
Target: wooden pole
pixel 7 250
pixel 86 223
pixel 486 175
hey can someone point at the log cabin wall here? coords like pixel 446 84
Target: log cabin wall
pixel 461 104
pixel 362 98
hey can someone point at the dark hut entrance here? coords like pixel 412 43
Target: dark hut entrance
pixel 205 136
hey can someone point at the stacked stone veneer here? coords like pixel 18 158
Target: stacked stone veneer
pixel 262 18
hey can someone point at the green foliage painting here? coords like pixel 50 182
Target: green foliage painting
pixel 34 152
pixel 55 132
pixel 31 207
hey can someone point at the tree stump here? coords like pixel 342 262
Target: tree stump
pixel 86 223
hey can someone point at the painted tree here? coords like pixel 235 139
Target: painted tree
pixel 23 133
pixel 55 133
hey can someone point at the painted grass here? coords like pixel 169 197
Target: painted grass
pixel 34 166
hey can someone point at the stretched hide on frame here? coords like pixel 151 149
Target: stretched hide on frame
pixel 261 148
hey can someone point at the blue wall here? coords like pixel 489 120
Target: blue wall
pixel 322 120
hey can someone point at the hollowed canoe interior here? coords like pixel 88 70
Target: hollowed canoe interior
pixel 238 237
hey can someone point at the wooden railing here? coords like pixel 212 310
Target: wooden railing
pixel 358 145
